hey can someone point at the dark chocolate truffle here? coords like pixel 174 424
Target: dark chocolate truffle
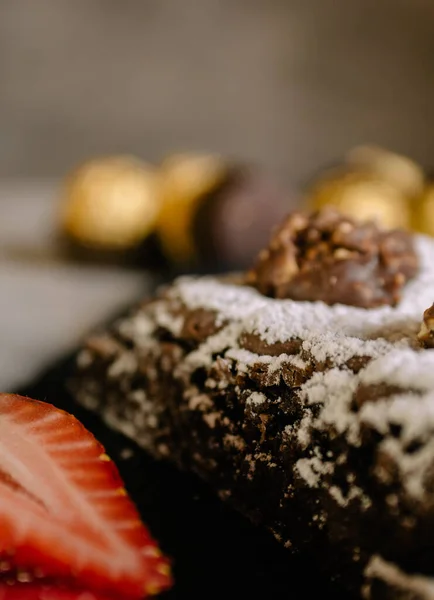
pixel 234 219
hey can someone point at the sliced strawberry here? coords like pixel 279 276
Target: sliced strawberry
pixel 64 512
pixel 35 591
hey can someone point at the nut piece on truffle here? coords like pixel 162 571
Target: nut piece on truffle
pixel 426 333
pixel 330 257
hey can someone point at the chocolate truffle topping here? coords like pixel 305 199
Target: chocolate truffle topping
pixel 330 257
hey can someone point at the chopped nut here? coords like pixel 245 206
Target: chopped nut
pixel 330 257
pixel 426 333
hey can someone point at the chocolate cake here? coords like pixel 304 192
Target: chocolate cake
pixel 314 419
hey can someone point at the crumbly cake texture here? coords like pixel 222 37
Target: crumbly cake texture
pixel 315 421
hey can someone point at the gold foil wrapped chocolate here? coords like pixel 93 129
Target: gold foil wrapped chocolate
pixel 110 203
pixel 423 218
pixel 363 196
pixel 399 171
pixel 215 216
pixel 185 179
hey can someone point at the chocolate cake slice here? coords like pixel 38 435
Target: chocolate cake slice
pixel 315 420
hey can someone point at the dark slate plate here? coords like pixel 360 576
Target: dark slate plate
pixel 216 553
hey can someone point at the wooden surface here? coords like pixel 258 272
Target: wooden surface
pixel 47 307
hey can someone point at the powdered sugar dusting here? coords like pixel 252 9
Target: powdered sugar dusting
pixel 138 326
pixel 280 320
pixel 256 399
pixel 401 367
pixel 378 568
pixel 334 389
pixel 330 335
pixel 412 413
pixel 342 348
pixel 335 333
pixel 308 469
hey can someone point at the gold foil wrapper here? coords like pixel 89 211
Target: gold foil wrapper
pixel 110 203
pixel 363 197
pixel 399 171
pixel 185 179
pixel 423 218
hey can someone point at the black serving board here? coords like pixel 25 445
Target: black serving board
pixel 216 553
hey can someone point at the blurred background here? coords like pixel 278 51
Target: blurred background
pixel 289 86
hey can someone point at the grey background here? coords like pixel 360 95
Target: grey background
pixel 290 84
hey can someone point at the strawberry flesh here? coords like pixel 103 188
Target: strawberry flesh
pixel 39 591
pixel 64 512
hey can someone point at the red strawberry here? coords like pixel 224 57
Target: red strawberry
pixel 36 591
pixel 64 513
